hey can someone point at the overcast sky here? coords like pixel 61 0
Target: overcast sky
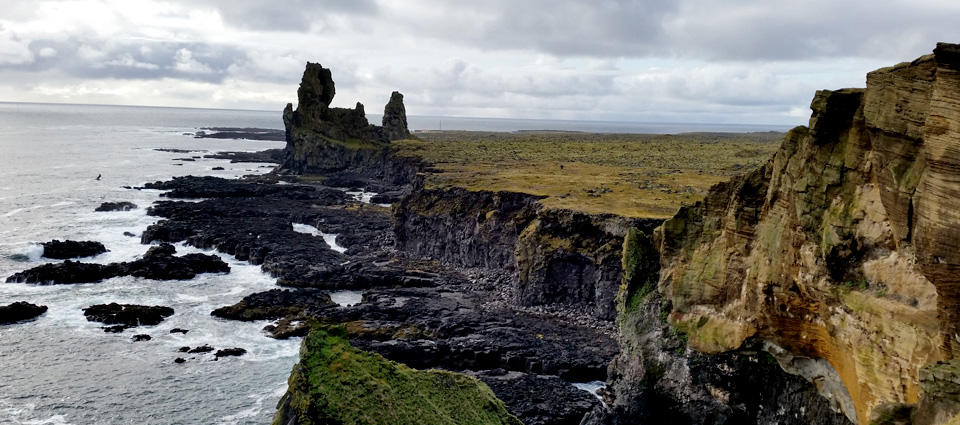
pixel 724 61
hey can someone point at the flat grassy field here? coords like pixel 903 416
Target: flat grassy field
pixel 634 175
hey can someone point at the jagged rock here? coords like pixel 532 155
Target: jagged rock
pixel 201 349
pixel 322 139
pixel 229 352
pixel 158 263
pixel 67 272
pixel 116 206
pixel 395 118
pixel 141 337
pixel 20 311
pixel 537 399
pixel 127 315
pixel 62 250
pixel 841 254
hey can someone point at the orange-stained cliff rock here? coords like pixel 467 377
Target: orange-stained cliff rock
pixel 842 254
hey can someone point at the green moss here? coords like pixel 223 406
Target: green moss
pixel 641 270
pixel 336 383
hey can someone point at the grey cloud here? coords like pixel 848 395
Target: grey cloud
pixel 750 30
pixel 284 15
pixel 96 59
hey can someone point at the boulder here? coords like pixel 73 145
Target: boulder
pixel 62 250
pixel 127 315
pixel 229 352
pixel 20 311
pixel 116 206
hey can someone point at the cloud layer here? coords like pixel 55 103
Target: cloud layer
pixel 644 60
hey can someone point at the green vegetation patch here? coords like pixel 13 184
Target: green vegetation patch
pixel 632 175
pixel 336 383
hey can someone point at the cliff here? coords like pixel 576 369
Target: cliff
pixel 322 139
pixel 551 256
pixel 839 257
pixel 336 383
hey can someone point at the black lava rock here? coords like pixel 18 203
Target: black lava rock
pixel 127 315
pixel 116 206
pixel 20 311
pixel 62 250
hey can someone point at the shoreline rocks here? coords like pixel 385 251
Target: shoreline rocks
pixel 62 250
pixel 125 316
pixel 116 206
pixel 157 263
pixel 20 311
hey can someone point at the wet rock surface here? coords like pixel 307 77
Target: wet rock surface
pixel 415 310
pixel 125 316
pixel 116 206
pixel 62 250
pixel 20 311
pixel 157 263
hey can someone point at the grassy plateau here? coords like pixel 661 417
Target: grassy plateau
pixel 633 175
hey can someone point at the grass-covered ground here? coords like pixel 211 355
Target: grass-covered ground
pixel 635 175
pixel 335 383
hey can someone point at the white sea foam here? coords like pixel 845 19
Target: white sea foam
pixel 329 238
pixel 347 298
pixel 592 387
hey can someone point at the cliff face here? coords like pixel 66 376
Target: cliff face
pixel 553 256
pixel 323 139
pixel 840 256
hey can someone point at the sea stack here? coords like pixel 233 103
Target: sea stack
pixel 323 139
pixel 395 118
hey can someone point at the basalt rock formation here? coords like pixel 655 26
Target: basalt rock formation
pixel 840 257
pixel 395 118
pixel 558 257
pixel 321 138
pixel 62 250
pixel 20 311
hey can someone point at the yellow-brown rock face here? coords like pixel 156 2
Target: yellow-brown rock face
pixel 844 248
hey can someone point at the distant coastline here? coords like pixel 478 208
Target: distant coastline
pixel 272 120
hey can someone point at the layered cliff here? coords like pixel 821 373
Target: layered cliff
pixel 323 139
pixel 839 257
pixel 552 256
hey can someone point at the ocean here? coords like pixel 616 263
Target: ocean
pixel 62 369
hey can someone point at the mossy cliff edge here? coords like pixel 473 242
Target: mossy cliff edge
pixel 335 383
pixel 840 256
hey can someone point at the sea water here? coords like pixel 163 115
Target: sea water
pixel 62 369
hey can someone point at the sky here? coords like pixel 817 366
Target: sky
pixel 693 61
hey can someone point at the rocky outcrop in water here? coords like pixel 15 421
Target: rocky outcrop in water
pixel 116 206
pixel 395 118
pixel 20 311
pixel 126 316
pixel 157 263
pixel 62 250
pixel 839 256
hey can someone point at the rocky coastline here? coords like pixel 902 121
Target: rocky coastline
pixel 818 288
